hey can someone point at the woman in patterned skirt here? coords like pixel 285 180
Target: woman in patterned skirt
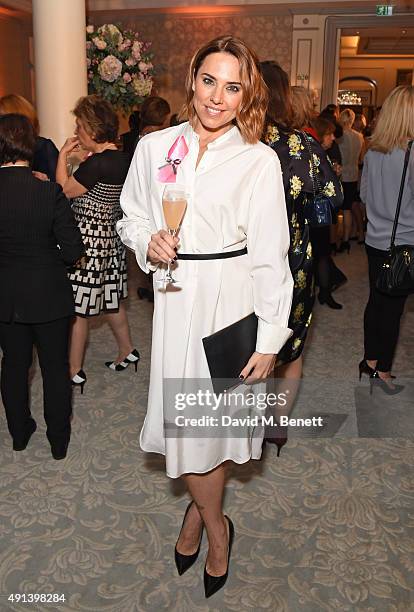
pixel 101 284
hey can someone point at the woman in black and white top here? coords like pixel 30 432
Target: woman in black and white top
pixel 101 284
pixel 380 184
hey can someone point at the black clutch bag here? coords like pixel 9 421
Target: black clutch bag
pixel 228 350
pixel 397 274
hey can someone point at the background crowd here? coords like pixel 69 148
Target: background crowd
pixel 327 152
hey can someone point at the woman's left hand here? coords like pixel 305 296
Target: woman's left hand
pixel 258 368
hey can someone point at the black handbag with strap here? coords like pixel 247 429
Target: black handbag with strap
pixel 397 274
pixel 319 207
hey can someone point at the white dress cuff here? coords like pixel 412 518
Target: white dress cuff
pixel 271 337
pixel 141 250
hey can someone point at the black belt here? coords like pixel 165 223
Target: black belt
pixel 224 255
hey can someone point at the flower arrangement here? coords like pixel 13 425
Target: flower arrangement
pixel 119 66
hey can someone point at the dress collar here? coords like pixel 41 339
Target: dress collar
pixel 231 136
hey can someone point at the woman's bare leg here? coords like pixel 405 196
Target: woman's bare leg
pixel 78 340
pixel 118 322
pixel 347 225
pixel 207 493
pixel 359 220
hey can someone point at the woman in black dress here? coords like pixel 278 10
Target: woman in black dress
pixel 101 284
pixel 38 238
pixel 292 148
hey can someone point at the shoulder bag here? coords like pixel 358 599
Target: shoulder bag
pixel 397 274
pixel 319 208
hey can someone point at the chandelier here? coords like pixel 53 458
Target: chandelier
pixel 349 97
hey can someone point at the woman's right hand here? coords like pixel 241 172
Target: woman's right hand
pixel 161 248
pixel 70 145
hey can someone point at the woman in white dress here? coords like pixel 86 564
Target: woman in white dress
pixel 235 200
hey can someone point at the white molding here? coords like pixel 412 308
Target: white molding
pixel 315 6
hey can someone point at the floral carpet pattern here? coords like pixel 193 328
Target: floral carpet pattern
pixel 329 525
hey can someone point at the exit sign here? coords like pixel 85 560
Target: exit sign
pixel 383 10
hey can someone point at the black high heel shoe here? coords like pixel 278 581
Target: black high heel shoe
pixel 345 246
pixel 133 357
pixel 376 380
pixel 184 562
pixel 79 380
pixel 324 297
pixel 212 584
pixel 364 368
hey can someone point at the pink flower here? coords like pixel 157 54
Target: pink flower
pixel 127 77
pixel 99 43
pixel 130 61
pixel 136 50
pixel 127 43
pixel 143 66
pixel 89 29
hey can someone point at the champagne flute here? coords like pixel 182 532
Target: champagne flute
pixel 174 204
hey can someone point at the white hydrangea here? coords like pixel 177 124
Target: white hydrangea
pixel 142 87
pixel 110 69
pixel 111 30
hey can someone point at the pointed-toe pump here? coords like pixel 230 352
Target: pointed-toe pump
pixel 79 380
pixel 364 368
pixel 376 380
pixel 184 562
pixel 212 584
pixel 133 357
pixel 325 297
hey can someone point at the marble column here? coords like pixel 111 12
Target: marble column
pixel 60 64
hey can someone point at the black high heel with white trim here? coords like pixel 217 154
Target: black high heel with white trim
pixel 184 562
pixel 79 380
pixel 214 583
pixel 364 368
pixel 133 357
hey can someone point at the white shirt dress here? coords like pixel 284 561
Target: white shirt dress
pixel 235 199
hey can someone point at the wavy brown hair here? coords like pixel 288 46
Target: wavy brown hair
pixel 100 120
pixel 250 116
pixel 280 108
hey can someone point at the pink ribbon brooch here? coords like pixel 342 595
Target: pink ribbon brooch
pixel 168 172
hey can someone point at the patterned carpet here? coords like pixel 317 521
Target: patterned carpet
pixel 329 525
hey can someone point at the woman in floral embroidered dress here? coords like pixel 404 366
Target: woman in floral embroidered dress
pixel 291 148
